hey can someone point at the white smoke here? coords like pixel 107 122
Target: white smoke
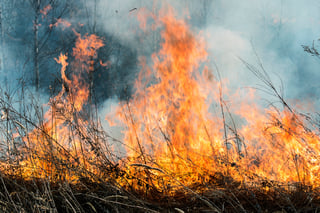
pixel 270 31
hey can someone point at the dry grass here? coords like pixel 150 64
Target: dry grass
pixel 101 185
pixel 39 195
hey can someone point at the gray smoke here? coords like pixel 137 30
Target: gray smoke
pixel 274 30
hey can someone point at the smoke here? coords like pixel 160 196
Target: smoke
pixel 270 31
pixel 275 31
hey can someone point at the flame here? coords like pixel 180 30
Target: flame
pixel 45 10
pixel 171 129
pixel 61 22
pixel 85 50
pixel 56 145
pixel 168 120
pixel 177 129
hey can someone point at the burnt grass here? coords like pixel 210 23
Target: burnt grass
pixel 221 194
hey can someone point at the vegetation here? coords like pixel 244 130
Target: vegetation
pixel 184 148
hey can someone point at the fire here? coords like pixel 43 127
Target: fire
pixel 57 145
pixel 285 150
pixel 85 50
pixel 168 121
pixel 171 129
pixel 45 10
pixel 177 125
pixel 61 22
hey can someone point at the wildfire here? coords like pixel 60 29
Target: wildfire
pixel 57 149
pixel 168 119
pixel 171 129
pixel 174 135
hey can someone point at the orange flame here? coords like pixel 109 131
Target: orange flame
pixel 171 129
pixel 85 50
pixel 61 22
pixel 45 10
pixel 54 146
pixel 167 120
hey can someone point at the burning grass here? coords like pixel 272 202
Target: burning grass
pixel 183 149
